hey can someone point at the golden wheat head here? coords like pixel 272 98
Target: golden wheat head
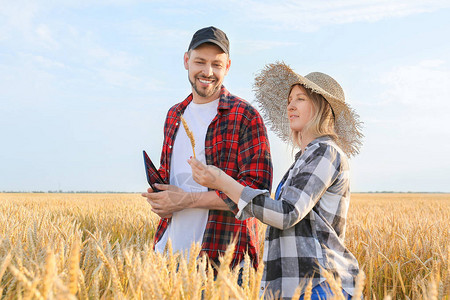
pixel 189 133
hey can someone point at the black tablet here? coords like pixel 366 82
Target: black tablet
pixel 153 175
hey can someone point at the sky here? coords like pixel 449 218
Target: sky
pixel 85 85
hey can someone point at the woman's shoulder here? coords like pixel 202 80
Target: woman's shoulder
pixel 326 147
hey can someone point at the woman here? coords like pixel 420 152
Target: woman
pixel 308 216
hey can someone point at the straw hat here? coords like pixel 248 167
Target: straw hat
pixel 272 87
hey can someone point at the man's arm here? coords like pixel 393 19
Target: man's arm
pixel 253 158
pixel 172 199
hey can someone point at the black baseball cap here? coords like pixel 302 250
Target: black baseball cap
pixel 210 35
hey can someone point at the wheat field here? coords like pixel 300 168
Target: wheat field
pixel 99 246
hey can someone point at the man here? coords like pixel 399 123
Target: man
pixel 230 134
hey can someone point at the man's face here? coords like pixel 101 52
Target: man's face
pixel 207 66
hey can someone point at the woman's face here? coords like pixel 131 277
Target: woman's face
pixel 300 108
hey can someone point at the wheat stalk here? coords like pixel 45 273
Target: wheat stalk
pixel 308 291
pixel 3 268
pixel 5 264
pixel 83 288
pixel 22 278
pixel 50 266
pixel 114 275
pixel 94 291
pixel 359 285
pixel 258 277
pixel 210 291
pixel 189 133
pixel 432 289
pixel 334 283
pixel 74 261
pixel 246 273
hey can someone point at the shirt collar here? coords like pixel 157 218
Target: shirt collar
pixel 224 99
pixel 319 139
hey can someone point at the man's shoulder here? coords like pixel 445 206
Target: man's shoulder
pixel 174 108
pixel 238 104
pixel 179 107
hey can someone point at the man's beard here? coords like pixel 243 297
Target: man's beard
pixel 208 92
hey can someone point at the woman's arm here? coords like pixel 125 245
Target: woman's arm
pixel 310 179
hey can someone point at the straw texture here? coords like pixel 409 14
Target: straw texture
pixel 272 87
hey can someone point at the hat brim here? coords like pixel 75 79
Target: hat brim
pixel 272 86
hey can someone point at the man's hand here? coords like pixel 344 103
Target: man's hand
pixel 169 200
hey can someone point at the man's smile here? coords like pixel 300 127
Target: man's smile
pixel 206 81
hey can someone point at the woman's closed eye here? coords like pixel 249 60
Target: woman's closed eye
pixel 296 99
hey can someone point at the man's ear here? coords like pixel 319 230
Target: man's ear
pixel 228 66
pixel 186 59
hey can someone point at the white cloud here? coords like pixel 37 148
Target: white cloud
pixel 112 59
pixel 45 36
pixel 128 80
pixel 19 23
pixel 255 46
pixel 416 101
pixel 406 134
pixel 18 14
pixel 421 86
pixel 143 30
pixel 41 61
pixel 311 15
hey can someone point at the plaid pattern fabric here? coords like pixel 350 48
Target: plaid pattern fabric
pixel 307 223
pixel 236 142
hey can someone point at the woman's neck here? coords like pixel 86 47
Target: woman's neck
pixel 306 138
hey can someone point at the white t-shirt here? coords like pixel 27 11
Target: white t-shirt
pixel 187 226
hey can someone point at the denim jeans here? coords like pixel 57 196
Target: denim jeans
pixel 322 291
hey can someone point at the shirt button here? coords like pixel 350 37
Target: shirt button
pixel 262 288
pixel 176 124
pixel 170 147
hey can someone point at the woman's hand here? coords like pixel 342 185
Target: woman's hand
pixel 207 175
pixel 216 179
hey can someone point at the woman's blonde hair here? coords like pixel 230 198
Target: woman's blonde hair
pixel 322 121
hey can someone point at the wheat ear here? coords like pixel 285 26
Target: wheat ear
pixel 3 268
pixel 334 283
pixel 308 291
pixel 258 277
pixel 114 275
pixel 50 271
pixel 22 278
pixel 74 265
pixel 5 264
pixel 359 286
pixel 189 133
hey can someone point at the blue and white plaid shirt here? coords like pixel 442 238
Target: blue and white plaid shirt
pixel 307 222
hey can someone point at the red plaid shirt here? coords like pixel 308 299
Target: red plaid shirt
pixel 237 143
